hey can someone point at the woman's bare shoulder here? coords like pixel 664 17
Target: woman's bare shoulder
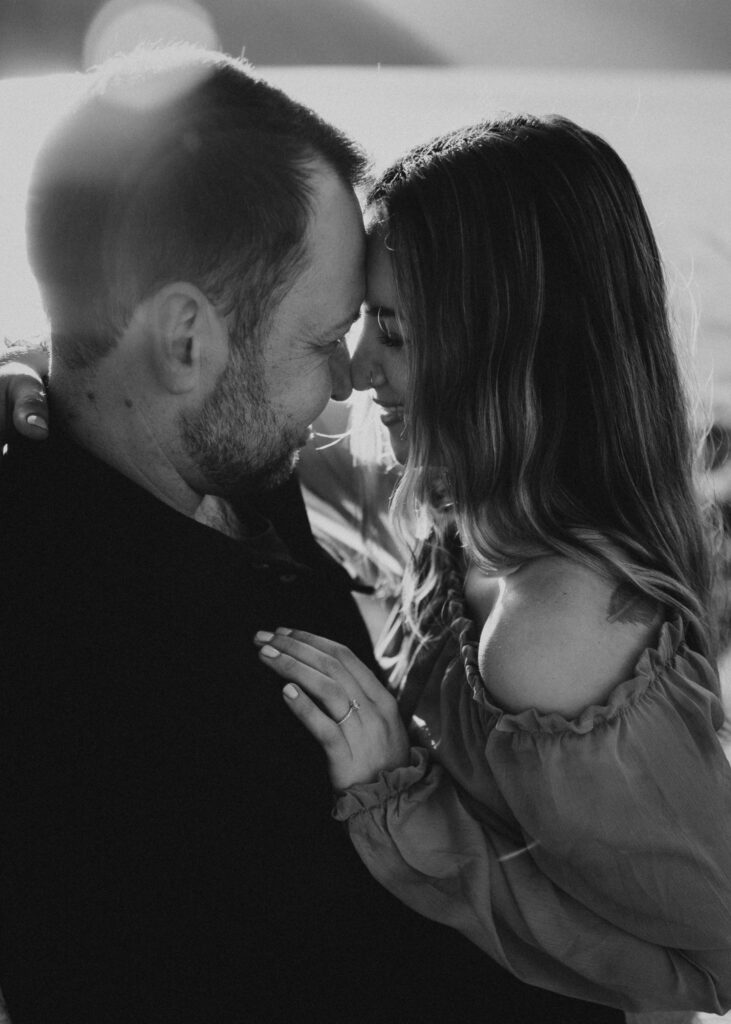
pixel 560 637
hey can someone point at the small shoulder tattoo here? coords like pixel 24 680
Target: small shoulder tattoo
pixel 628 604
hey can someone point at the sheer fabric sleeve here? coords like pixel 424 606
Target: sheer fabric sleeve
pixel 347 505
pixel 611 878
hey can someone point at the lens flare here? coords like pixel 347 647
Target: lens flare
pixel 121 25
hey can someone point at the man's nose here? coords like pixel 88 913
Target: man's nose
pixel 361 364
pixel 340 373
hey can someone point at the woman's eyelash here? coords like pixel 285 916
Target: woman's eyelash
pixel 389 338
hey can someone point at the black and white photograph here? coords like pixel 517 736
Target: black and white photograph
pixel 365 511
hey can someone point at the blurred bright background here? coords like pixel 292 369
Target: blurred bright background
pixel 652 76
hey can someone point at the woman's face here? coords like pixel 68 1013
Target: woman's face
pixel 379 360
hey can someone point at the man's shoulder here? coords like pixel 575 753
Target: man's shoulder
pixel 28 491
pixel 94 544
pixel 34 473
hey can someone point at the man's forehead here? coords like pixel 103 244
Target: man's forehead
pixel 319 322
pixel 330 286
pixel 331 300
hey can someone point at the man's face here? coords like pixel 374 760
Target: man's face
pixel 257 418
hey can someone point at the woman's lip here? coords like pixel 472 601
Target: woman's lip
pixel 394 414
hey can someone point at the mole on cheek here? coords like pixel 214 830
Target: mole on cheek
pixel 91 396
pixel 128 402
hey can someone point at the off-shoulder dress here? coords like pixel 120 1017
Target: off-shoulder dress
pixel 589 856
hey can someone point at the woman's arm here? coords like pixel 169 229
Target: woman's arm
pixel 613 884
pixel 23 405
pixel 419 837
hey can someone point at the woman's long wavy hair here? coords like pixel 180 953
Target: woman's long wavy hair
pixel 546 408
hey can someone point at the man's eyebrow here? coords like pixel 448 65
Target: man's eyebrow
pixel 346 323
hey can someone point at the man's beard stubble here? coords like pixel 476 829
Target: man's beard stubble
pixel 235 439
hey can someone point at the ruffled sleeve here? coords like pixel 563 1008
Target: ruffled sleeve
pixel 607 873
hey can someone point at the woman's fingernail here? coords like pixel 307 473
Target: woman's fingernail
pixel 269 652
pixel 263 637
pixel 290 691
pixel 36 421
pixel 283 631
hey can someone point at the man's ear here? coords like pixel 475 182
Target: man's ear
pixel 184 333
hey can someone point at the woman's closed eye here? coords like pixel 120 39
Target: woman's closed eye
pixel 389 337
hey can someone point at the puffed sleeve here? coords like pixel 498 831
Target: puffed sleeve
pixel 610 878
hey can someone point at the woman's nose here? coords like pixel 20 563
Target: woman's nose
pixel 340 373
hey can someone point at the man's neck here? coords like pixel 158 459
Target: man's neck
pixel 116 430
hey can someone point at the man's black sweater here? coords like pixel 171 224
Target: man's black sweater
pixel 166 847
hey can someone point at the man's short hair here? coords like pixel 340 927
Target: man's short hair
pixel 178 164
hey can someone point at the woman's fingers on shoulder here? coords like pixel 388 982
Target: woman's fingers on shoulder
pixel 23 400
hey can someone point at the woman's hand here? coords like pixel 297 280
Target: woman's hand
pixel 341 702
pixel 23 402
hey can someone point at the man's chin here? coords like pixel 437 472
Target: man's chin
pixel 266 478
pixel 280 473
